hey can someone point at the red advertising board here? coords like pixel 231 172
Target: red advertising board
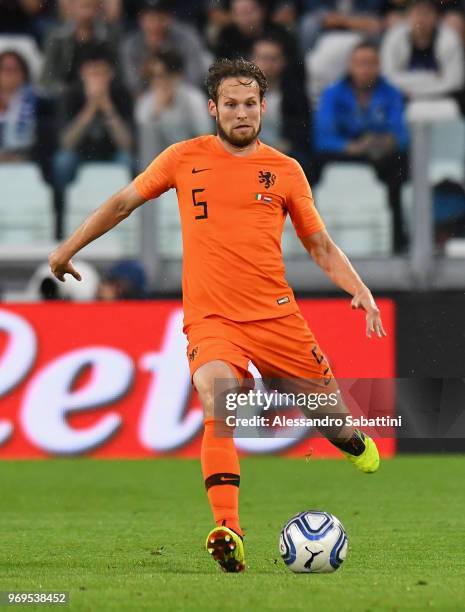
pixel 111 380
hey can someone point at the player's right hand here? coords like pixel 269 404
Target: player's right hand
pixel 60 266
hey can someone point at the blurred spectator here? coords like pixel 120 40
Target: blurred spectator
pixel 160 31
pixel 125 281
pixel 285 125
pixel 218 16
pixel 32 17
pixel 18 108
pixel 249 22
pixel 96 119
pixel 452 12
pixel 394 12
pixel 27 48
pixel 123 11
pixel 191 11
pixel 16 16
pixel 171 109
pixel 423 57
pixel 110 11
pixel 68 43
pixel 360 16
pixel 361 118
pixel 285 12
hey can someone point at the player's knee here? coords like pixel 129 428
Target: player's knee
pixel 212 380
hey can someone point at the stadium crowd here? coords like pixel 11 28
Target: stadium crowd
pixel 78 78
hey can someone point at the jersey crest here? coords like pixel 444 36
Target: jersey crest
pixel 266 177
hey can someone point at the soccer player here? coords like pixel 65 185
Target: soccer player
pixel 234 193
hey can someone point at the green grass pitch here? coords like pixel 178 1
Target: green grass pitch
pixel 129 535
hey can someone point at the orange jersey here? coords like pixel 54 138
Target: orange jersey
pixel 233 211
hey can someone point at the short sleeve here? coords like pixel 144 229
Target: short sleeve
pixel 300 204
pixel 160 175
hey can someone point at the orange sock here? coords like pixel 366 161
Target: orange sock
pixel 221 472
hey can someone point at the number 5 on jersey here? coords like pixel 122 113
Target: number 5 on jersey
pixel 198 203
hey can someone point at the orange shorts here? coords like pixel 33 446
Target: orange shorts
pixel 283 347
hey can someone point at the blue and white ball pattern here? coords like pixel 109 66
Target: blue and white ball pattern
pixel 313 542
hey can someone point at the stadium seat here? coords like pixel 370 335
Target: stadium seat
pixel 26 206
pixel 441 169
pixel 354 206
pixel 430 110
pixel 168 227
pixel 447 150
pixel 291 245
pixel 447 159
pixel 455 247
pixel 407 204
pixel 94 183
pixel 437 174
pixel 327 62
pixel 448 139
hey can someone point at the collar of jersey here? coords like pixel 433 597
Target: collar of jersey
pixel 219 147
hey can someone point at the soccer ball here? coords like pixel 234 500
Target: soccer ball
pixel 313 542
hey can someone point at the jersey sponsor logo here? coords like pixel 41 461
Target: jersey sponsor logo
pixel 283 300
pixel 197 170
pixel 266 177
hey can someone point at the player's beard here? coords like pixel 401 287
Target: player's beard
pixel 237 140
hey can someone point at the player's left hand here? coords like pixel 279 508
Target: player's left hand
pixel 61 265
pixel 364 299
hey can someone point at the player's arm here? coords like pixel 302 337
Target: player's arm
pixel 338 268
pixel 109 214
